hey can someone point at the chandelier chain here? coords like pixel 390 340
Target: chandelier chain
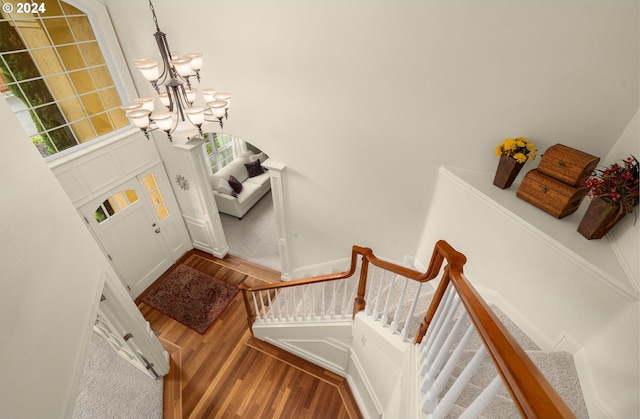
pixel 155 19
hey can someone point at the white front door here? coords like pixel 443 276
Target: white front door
pixel 129 334
pixel 140 228
pixel 117 337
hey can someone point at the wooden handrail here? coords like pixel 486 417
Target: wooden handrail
pixel 246 289
pixel 305 281
pixel 532 394
pixel 441 251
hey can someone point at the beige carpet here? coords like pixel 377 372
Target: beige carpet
pixel 111 388
pixel 253 237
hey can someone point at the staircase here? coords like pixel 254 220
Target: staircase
pixel 452 369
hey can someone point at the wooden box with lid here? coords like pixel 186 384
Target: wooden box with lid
pixel 567 164
pixel 550 195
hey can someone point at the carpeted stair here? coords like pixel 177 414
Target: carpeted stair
pixel 558 367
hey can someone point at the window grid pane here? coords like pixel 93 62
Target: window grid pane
pixel 157 200
pixel 219 149
pixel 114 204
pixel 47 58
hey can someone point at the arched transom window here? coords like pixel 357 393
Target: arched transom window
pixel 114 204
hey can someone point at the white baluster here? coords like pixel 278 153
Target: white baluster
pixel 345 300
pixel 333 299
pixel 376 308
pixel 437 377
pixel 276 302
pixel 385 312
pixel 255 307
pixel 354 292
pixel 438 319
pixel 271 308
pixel 287 315
pixel 483 399
pixel 264 310
pixel 295 304
pixel 443 351
pixel 371 280
pixel 442 333
pixel 412 310
pixel 323 311
pixel 396 316
pixel 303 302
pixel 447 402
pixel 313 303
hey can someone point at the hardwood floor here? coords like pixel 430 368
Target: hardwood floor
pixel 227 373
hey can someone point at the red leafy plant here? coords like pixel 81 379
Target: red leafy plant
pixel 617 185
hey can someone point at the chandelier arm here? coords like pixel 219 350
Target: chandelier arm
pixel 181 101
pixel 165 53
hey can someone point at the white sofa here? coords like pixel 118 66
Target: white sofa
pixel 253 188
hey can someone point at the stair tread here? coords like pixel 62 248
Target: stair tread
pixel 558 368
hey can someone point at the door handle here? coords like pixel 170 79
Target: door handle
pixel 157 230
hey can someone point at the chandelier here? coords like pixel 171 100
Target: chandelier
pixel 173 75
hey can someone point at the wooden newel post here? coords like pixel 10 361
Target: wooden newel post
pixel 359 303
pixel 251 316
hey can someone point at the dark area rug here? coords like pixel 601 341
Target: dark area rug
pixel 191 297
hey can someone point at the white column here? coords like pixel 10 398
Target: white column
pixel 282 231
pixel 202 219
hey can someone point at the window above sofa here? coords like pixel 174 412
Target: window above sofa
pixel 220 150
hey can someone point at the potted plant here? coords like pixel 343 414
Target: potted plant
pixel 614 194
pixel 513 152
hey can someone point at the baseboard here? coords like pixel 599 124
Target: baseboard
pixel 595 406
pixel 626 266
pixel 338 265
pixel 201 239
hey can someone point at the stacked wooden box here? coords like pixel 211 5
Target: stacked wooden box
pixel 557 185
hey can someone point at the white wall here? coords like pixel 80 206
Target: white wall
pixel 624 237
pixel 52 276
pixel 362 101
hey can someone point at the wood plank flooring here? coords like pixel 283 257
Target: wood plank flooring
pixel 227 373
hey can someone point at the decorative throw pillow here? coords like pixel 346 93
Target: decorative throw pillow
pixel 260 156
pixel 254 168
pixel 235 184
pixel 224 187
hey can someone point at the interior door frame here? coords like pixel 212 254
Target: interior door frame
pixel 182 241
